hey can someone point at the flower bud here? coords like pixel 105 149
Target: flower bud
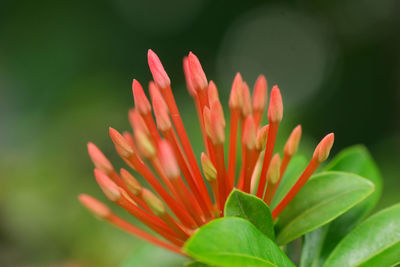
pixel 142 104
pixel 246 100
pixel 262 136
pixel 260 94
pixel 323 149
pixel 293 141
pixel 168 160
pixel 273 173
pixel 131 183
pixel 198 77
pixel 235 99
pixel 120 143
pixel 275 109
pixel 93 205
pixel 98 158
pixel 109 188
pixel 249 133
pixel 157 70
pixel 208 168
pixel 153 202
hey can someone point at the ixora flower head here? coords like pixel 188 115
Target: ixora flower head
pixel 182 205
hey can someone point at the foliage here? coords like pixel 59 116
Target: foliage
pixel 328 215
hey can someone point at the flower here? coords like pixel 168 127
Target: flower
pixel 160 151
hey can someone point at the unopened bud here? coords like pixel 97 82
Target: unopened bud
pixel 168 160
pixel 273 173
pixel 293 141
pixel 212 92
pixel 157 70
pixel 323 149
pixel 126 196
pixel 275 109
pixel 161 114
pixel 249 133
pixel 133 185
pixel 142 104
pixel 98 158
pixel 155 93
pixel 120 143
pixel 217 125
pixel 260 94
pixel 207 121
pixel 208 168
pixel 109 188
pixel 99 209
pixel 188 77
pixel 262 136
pixel 235 99
pixel 144 144
pixel 153 202
pixel 199 79
pixel 137 122
pixel 246 100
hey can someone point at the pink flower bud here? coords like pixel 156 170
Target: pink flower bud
pixel 212 93
pixel 120 143
pixel 323 149
pixel 93 205
pixel 260 94
pixel 188 77
pixel 262 136
pixel 199 79
pixel 246 100
pixel 293 141
pixel 98 158
pixel 133 185
pixel 168 161
pixel 141 102
pixel 275 109
pixel 235 99
pixel 109 188
pixel 157 70
pixel 217 122
pixel 249 133
pixel 161 113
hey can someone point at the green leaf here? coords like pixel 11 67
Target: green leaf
pixel 197 264
pixel 251 208
pixel 234 242
pixel 356 160
pixel 375 242
pixel 312 245
pixel 150 255
pixel 323 198
pixel 292 173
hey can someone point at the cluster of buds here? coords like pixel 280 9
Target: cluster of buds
pixel 159 150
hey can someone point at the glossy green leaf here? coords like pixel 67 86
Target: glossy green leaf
pixel 150 255
pixel 312 246
pixel 322 199
pixel 292 173
pixel 234 242
pixel 356 160
pixel 251 208
pixel 375 242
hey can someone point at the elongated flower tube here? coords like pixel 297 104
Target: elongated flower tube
pixel 185 193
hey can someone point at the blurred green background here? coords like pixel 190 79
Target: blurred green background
pixel 65 75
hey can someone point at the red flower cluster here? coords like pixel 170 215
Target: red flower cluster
pixel 160 151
